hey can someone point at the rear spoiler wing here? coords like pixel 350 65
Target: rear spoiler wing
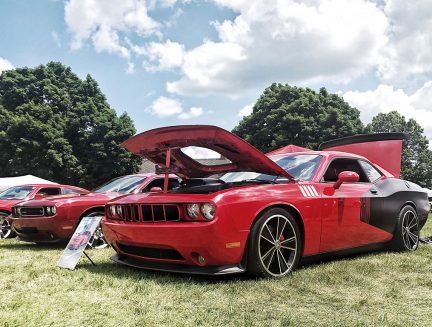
pixel 383 149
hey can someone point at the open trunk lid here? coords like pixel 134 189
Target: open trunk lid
pixel 383 149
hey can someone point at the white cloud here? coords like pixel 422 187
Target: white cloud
pixel 386 98
pixel 286 40
pixel 56 38
pixel 246 110
pixel 408 56
pixel 5 65
pixel 105 39
pixel 162 56
pixel 164 107
pixel 103 21
pixel 192 113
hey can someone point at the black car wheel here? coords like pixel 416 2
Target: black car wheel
pixel 5 227
pixel 97 241
pixel 275 244
pixel 406 236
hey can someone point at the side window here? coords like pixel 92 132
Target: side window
pixel 49 191
pixel 71 191
pixel 372 173
pixel 339 165
pixel 172 183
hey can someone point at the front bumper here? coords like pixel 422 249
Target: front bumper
pixel 42 229
pixel 178 246
pixel 178 268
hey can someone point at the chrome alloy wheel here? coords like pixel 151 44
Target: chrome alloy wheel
pixel 5 227
pixel 277 245
pixel 410 230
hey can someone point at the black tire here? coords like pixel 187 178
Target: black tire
pixel 5 227
pixel 407 233
pixel 275 244
pixel 97 241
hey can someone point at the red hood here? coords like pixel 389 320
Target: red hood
pixel 8 204
pixel 288 149
pixel 153 145
pixel 94 198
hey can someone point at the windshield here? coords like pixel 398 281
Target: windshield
pixel 16 193
pixel 300 166
pixel 126 184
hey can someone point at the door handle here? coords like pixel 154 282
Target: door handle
pixel 374 191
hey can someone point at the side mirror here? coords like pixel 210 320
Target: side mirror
pixel 346 177
pixel 39 196
pixel 156 189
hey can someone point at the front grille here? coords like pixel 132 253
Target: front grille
pixel 159 213
pixel 150 213
pixel 31 211
pixel 153 253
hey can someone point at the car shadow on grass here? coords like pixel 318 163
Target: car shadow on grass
pixel 31 246
pixel 120 271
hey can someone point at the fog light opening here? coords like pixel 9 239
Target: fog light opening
pixel 199 258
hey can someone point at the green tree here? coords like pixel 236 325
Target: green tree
pixel 416 156
pixel 292 115
pixel 57 126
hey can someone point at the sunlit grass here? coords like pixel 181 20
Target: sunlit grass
pixel 379 289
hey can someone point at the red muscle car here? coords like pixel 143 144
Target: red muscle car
pixel 266 212
pixel 55 219
pixel 17 194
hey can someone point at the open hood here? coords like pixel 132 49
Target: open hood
pixel 154 145
pixel 383 149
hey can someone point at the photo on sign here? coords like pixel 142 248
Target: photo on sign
pixel 78 242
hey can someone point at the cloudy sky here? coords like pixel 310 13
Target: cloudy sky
pixel 168 62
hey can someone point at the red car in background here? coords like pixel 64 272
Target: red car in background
pixel 267 211
pixel 55 219
pixel 17 194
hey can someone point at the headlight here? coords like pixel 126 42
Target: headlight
pixel 208 210
pixel 193 210
pixel 50 210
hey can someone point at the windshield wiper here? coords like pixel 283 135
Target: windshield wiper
pixel 257 180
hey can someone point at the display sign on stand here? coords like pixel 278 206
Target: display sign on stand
pixel 77 244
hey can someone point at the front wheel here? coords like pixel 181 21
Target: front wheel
pixel 97 240
pixel 407 232
pixel 5 227
pixel 275 244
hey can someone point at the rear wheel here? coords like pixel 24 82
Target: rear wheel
pixel 5 227
pixel 406 236
pixel 97 241
pixel 275 244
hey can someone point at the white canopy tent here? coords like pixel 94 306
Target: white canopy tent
pixel 7 182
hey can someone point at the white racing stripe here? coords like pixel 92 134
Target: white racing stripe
pixel 308 191
pixel 301 190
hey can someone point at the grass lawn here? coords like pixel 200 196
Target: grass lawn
pixel 379 289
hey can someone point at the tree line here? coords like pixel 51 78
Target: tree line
pixel 57 126
pixel 286 114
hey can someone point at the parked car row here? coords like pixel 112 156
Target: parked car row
pixel 262 213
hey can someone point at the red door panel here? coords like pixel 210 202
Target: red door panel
pixel 345 217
